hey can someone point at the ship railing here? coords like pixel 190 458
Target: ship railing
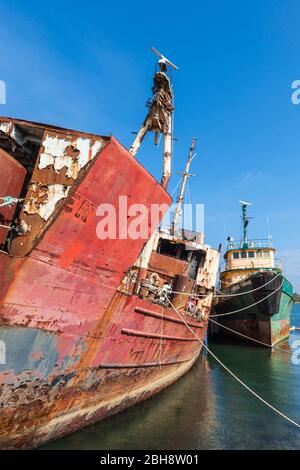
pixel 251 263
pixel 254 243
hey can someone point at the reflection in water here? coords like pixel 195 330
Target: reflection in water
pixel 208 409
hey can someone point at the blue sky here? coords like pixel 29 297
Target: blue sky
pixel 87 66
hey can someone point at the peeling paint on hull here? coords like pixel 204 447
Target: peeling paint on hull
pixel 64 320
pixel 39 423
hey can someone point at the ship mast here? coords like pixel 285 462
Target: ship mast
pixel 186 175
pixel 245 219
pixel 159 118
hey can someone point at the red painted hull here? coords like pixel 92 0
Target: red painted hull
pixel 77 349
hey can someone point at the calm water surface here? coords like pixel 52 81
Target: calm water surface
pixel 208 409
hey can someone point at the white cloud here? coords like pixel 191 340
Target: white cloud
pixel 250 177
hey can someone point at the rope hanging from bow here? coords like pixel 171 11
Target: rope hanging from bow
pixel 9 201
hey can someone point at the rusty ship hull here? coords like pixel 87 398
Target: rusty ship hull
pixel 79 346
pixel 37 409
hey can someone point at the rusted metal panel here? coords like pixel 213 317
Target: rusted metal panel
pixel 62 162
pixel 69 154
pixel 12 176
pixel 161 337
pixel 207 275
pixel 167 265
pixel 182 286
pixel 8 128
pixel 165 317
pixel 14 127
pixel 72 273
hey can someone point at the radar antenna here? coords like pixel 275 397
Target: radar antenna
pixel 246 203
pixel 163 59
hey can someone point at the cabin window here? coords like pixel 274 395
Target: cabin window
pixel 166 247
pixel 258 254
pixel 244 254
pixel 266 254
pixel 251 254
pixel 236 255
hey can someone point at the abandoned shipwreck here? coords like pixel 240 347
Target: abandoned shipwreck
pixel 86 324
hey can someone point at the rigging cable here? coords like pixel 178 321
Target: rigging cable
pixel 229 295
pixel 9 201
pixel 252 339
pixel 249 306
pixel 189 203
pixel 176 186
pixel 161 334
pixel 240 381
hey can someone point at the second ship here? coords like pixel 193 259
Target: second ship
pixel 255 300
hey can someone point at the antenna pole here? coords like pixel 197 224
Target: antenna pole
pixel 186 175
pixel 245 220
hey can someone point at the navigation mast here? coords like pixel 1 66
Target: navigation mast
pixel 159 118
pixel 186 175
pixel 245 219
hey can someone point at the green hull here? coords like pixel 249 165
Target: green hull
pixel 280 323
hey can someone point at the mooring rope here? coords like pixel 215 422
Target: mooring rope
pixel 249 337
pixel 250 291
pixel 241 382
pixel 230 295
pixel 9 201
pixel 248 306
pixel 161 334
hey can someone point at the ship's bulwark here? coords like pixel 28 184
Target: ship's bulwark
pixel 77 349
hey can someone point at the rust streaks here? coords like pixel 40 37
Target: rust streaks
pixel 151 313
pixel 127 331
